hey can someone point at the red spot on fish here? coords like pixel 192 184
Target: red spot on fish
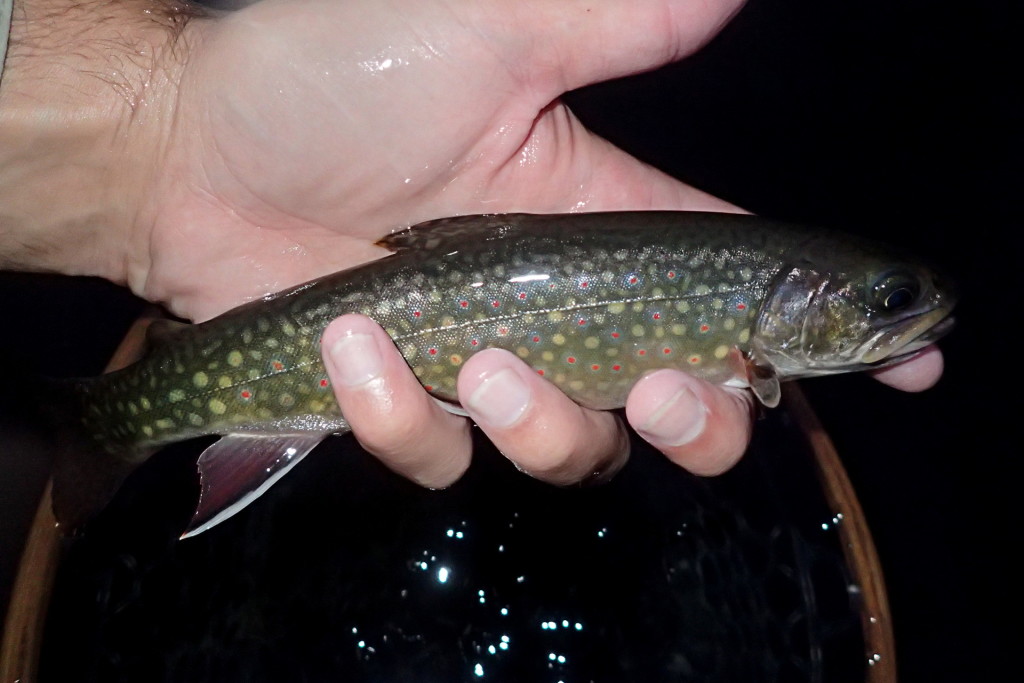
pixel 245 394
pixel 666 351
pixel 474 342
pixel 324 383
pixel 464 304
pixel 502 331
pixel 432 351
pixel 496 303
pixel 615 335
pixel 540 372
pixel 581 322
pixel 584 284
pixel 595 367
pixel 633 279
pixel 671 275
pixel 616 368
pixel 535 339
pixel 522 296
pixel 570 360
pixel 417 314
pixel 641 352
pixel 656 316
pixel 428 387
pixel 278 365
pixel 741 307
pixel 704 328
pixel 694 359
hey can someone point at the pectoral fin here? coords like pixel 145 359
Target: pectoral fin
pixel 239 468
pixel 764 381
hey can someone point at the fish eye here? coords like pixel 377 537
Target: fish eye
pixel 895 291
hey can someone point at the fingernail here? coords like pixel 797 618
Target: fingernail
pixel 677 421
pixel 357 359
pixel 501 399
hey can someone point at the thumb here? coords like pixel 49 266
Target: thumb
pixel 575 43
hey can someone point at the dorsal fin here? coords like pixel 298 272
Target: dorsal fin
pixel 456 230
pixel 163 331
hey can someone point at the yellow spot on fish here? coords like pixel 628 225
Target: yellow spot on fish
pixel 147 430
pixel 577 385
pixel 164 423
pixel 288 329
pixel 217 407
pixel 744 336
pixel 591 342
pixel 200 379
pixel 235 359
pixel 617 307
pixel 682 306
pixel 224 382
pixel 638 307
pixel 522 352
pixel 558 339
pixel 611 351
pixel 721 351
pixel 701 290
pixel 556 316
pixel 638 330
pixel 176 395
pixel 679 330
pixel 195 419
pixel 548 356
pixel 717 304
pixel 144 402
pixel 728 324
pixel 286 400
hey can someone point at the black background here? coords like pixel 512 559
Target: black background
pixel 897 120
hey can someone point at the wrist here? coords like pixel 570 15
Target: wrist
pixel 87 96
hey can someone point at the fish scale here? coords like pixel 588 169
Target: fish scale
pixel 590 301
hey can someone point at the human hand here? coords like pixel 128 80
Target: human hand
pixel 329 124
pixel 300 132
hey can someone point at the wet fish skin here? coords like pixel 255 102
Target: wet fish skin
pixel 590 301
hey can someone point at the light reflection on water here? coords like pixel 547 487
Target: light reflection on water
pixel 656 576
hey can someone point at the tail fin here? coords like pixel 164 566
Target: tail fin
pixel 85 480
pixel 86 473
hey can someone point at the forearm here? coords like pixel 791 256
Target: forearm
pixel 86 95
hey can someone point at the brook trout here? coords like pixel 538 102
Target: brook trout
pixel 590 301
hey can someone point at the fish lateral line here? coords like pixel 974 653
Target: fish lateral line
pixel 505 317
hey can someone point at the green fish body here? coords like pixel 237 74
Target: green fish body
pixel 590 301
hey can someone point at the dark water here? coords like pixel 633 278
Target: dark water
pixel 344 572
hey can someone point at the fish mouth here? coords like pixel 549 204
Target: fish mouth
pixel 901 340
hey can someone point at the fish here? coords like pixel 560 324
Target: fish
pixel 591 301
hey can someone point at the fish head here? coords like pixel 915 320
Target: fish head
pixel 851 312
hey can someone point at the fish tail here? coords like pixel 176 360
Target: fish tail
pixel 87 470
